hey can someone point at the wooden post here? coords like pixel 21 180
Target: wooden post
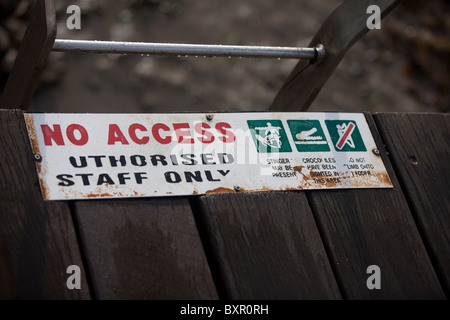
pixel 343 27
pixel 32 57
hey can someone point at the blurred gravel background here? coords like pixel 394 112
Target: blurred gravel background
pixel 405 66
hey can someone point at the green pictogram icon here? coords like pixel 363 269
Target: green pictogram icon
pixel 345 135
pixel 308 136
pixel 269 136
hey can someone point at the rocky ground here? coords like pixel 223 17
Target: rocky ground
pixel 405 66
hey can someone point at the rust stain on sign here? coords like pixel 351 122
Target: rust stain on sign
pixel 300 169
pixel 33 138
pixel 261 189
pixel 100 195
pixel 220 190
pixel 358 179
pixel 45 190
pixel 29 121
pixel 383 177
pixel 111 192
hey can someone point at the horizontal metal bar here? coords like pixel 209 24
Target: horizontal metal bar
pixel 185 49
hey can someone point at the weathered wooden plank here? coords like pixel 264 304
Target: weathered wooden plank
pixel 144 249
pixel 418 144
pixel 32 57
pixel 266 246
pixel 7 291
pixel 366 227
pixel 343 27
pixel 39 237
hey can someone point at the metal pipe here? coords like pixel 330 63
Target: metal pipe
pixel 200 50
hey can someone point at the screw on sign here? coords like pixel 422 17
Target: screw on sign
pixel 37 157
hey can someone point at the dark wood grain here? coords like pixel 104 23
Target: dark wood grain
pixel 7 290
pixel 343 27
pixel 32 57
pixel 364 227
pixel 38 237
pixel 418 145
pixel 144 249
pixel 266 246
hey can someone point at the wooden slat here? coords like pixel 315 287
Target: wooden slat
pixel 419 147
pixel 144 249
pixel 343 27
pixel 39 237
pixel 266 246
pixel 7 290
pixel 32 57
pixel 364 227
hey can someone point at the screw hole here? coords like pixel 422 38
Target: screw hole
pixel 413 160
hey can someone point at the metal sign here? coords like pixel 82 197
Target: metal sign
pixel 82 156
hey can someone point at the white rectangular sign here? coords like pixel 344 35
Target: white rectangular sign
pixel 82 156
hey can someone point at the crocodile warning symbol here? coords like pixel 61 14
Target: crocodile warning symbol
pixel 308 136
